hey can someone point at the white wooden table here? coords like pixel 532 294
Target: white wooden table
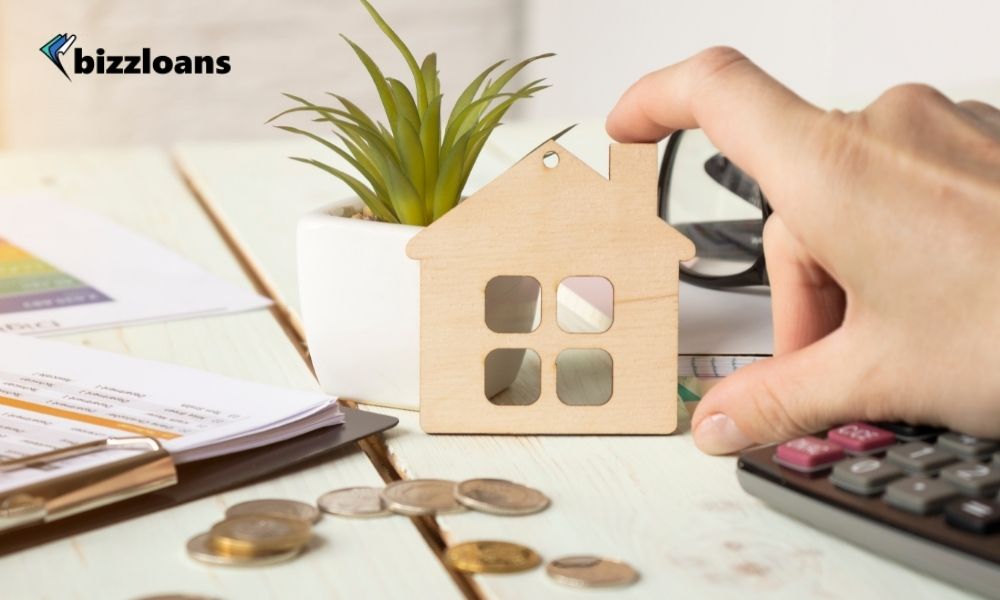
pixel 677 515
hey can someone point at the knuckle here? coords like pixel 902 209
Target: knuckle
pixel 978 105
pixel 719 56
pixel 840 141
pixel 712 61
pixel 908 96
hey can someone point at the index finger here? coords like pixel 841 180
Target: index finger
pixel 739 106
pixel 748 115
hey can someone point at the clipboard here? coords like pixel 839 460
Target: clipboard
pixel 149 481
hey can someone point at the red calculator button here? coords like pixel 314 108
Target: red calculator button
pixel 808 454
pixel 861 438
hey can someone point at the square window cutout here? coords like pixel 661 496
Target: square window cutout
pixel 512 376
pixel 585 304
pixel 513 304
pixel 584 376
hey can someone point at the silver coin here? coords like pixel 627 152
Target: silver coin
pixel 421 497
pixel 201 549
pixel 591 572
pixel 363 502
pixel 500 497
pixel 291 509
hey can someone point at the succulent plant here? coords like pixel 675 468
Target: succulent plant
pixel 413 170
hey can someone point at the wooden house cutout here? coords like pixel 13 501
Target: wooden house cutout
pixel 547 220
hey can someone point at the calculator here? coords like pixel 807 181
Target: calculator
pixel 923 496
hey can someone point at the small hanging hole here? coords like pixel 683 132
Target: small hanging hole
pixel 550 159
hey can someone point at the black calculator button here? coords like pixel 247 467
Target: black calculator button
pixel 967 446
pixel 919 494
pixel 940 520
pixel 973 478
pixel 920 457
pixel 911 433
pixel 864 475
pixel 975 515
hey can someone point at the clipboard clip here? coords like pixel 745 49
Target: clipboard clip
pixel 149 468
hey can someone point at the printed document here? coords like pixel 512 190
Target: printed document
pixel 56 394
pixel 64 269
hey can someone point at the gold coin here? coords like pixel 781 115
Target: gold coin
pixel 255 535
pixel 354 502
pixel 500 497
pixel 591 572
pixel 291 509
pixel 202 549
pixel 491 557
pixel 421 497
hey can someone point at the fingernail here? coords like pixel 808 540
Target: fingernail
pixel 718 434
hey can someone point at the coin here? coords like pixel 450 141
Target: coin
pixel 491 557
pixel 421 497
pixel 354 502
pixel 591 572
pixel 202 549
pixel 254 535
pixel 291 509
pixel 500 497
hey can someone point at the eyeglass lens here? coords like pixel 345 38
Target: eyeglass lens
pixel 716 205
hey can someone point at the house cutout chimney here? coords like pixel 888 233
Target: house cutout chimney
pixel 630 165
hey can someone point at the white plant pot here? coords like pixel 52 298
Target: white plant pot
pixel 360 301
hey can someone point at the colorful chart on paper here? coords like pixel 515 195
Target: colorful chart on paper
pixel 29 283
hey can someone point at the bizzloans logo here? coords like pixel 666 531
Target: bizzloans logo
pixel 140 64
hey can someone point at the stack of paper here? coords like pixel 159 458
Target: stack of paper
pixel 719 331
pixel 64 269
pixel 54 395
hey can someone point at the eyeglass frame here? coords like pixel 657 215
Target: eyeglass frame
pixel 754 275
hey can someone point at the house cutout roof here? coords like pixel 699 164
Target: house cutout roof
pixel 570 194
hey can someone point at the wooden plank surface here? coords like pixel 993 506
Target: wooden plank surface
pixel 677 515
pixel 140 189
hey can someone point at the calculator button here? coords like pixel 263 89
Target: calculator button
pixel 977 516
pixel 865 475
pixel 911 433
pixel 861 438
pixel 973 478
pixel 808 454
pixel 919 494
pixel 918 457
pixel 968 446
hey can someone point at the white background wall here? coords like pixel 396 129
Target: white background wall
pixel 832 51
pixel 275 45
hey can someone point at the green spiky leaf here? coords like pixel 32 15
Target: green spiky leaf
pixel 377 78
pixel 469 94
pixel 411 167
pixel 359 115
pixel 411 62
pixel 359 188
pixel 430 143
pixel 429 72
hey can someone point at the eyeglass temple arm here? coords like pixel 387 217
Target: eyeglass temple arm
pixel 725 172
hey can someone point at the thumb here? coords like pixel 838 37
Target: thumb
pixel 775 399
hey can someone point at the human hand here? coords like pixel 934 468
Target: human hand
pixel 883 251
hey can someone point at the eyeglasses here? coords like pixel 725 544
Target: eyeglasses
pixel 718 207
